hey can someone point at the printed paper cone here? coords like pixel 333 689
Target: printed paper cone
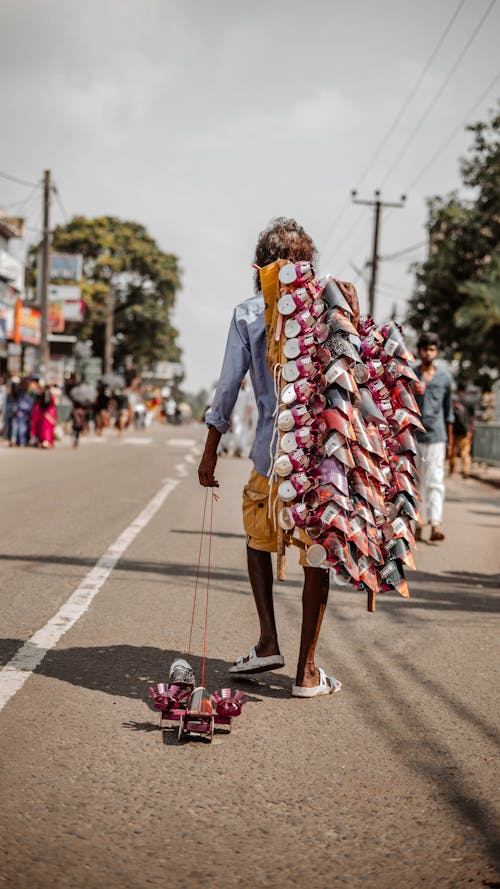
pixel 404 443
pixel 363 509
pixel 402 463
pixel 335 420
pixel 401 528
pixel 396 369
pixel 376 441
pixel 402 396
pixel 336 446
pixel 337 322
pixel 369 410
pixel 339 399
pixel 394 343
pixel 405 506
pixel 368 575
pixel 332 472
pixel 358 535
pixel 403 482
pixel 392 577
pixel 361 432
pixel 403 418
pixel 332 296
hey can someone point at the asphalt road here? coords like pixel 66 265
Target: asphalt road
pixel 391 783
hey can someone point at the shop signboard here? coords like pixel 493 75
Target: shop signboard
pixel 29 326
pixel 55 317
pixel 11 270
pixel 69 296
pixel 65 267
pixel 7 315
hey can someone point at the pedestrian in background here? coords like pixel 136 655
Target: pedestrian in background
pixel 3 399
pixel 101 409
pixel 44 419
pixel 433 396
pixel 122 410
pixel 10 412
pixel 24 412
pixel 464 408
pixel 78 422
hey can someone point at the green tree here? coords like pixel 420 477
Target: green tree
pixel 456 286
pixel 120 254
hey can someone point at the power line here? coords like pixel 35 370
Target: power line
pixel 439 93
pixel 411 94
pixel 20 181
pixel 405 250
pixel 59 201
pixel 398 116
pixel 452 135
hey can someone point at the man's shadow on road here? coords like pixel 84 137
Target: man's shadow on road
pixel 127 671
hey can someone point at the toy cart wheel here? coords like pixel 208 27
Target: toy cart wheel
pixel 181 729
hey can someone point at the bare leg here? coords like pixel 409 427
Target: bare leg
pixel 260 571
pixel 314 599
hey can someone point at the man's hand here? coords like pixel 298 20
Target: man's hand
pixel 208 462
pixel 206 471
pixel 349 292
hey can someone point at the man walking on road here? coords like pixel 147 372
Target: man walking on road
pixel 246 351
pixel 433 396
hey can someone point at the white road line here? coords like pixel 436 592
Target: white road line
pixel 136 441
pixel 181 442
pixel 190 458
pixel 181 470
pixel 31 654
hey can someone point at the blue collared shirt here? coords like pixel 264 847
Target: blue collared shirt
pixel 435 405
pixel 246 352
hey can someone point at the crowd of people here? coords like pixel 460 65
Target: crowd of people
pixel 28 412
pixel 34 413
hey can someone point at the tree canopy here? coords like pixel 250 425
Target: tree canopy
pixel 122 255
pixel 457 292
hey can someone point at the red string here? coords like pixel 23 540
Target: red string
pixel 212 499
pixel 197 572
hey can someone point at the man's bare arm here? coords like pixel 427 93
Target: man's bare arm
pixel 208 461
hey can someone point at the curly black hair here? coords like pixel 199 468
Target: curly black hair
pixel 283 238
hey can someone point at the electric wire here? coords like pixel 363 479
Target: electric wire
pixel 60 203
pixel 400 114
pixel 402 252
pixel 454 132
pixel 398 117
pixel 20 181
pixel 404 148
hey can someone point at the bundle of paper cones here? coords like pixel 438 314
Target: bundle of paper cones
pixel 344 458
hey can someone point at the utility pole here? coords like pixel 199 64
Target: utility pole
pixel 378 204
pixel 108 330
pixel 44 283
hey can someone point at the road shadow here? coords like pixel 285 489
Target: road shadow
pixel 225 535
pixel 406 726
pixel 162 569
pixel 127 671
pixel 453 591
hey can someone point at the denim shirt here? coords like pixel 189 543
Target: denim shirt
pixel 246 352
pixel 436 406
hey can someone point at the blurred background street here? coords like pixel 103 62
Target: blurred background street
pixel 143 148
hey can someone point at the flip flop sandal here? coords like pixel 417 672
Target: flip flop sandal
pixel 327 686
pixel 252 663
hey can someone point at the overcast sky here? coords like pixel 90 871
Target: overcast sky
pixel 203 120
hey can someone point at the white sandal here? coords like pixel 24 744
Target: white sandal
pixel 328 685
pixel 252 663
